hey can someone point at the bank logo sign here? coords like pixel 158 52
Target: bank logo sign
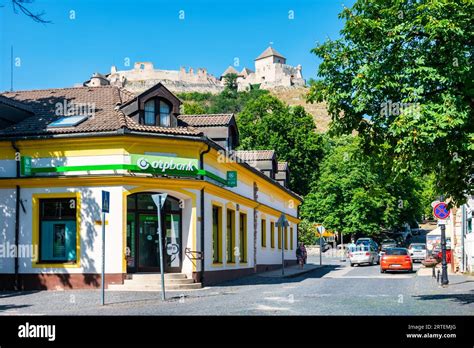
pixel 164 164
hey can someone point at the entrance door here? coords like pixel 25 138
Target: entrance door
pixel 148 243
pixel 142 235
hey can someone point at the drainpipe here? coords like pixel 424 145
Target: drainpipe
pixel 17 218
pixel 201 166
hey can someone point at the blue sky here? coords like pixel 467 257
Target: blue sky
pixel 106 32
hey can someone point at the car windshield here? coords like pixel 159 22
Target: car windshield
pixel 388 241
pixel 362 247
pixel 396 252
pixel 418 247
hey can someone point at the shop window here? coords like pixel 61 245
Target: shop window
pixel 279 237
pixel 291 238
pixel 272 234
pixel 230 235
pixel 58 230
pixel 263 230
pixel 216 234
pixel 243 237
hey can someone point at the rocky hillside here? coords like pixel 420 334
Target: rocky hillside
pixel 296 96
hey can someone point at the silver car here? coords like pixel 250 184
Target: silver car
pixel 363 254
pixel 417 251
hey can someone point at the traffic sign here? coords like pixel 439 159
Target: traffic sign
pixel 320 230
pixel 441 211
pixel 282 221
pixel 105 201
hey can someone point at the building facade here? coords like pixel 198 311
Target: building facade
pixel 60 148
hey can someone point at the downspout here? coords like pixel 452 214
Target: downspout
pixel 17 217
pixel 201 167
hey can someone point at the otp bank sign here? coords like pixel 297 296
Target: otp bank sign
pixel 163 163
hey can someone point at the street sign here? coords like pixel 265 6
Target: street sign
pixel 320 230
pixel 157 200
pixel 441 211
pixel 25 165
pixel 232 178
pixel 282 221
pixel 105 201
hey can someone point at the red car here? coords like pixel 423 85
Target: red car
pixel 396 259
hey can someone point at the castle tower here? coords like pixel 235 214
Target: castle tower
pixel 268 57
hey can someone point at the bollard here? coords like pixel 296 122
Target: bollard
pixel 437 276
pixel 433 273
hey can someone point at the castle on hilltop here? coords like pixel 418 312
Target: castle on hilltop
pixel 271 71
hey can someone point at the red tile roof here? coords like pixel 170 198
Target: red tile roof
pixel 207 120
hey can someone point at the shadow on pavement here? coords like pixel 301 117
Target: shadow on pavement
pixel 255 279
pixel 466 298
pixel 5 294
pixel 7 307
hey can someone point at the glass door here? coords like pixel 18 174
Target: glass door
pixel 148 244
pixel 173 242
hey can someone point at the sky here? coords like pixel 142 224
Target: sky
pixel 88 36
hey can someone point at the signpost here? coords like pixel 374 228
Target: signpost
pixel 282 223
pixel 320 231
pixel 159 200
pixel 105 209
pixel 441 212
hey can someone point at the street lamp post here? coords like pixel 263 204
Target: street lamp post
pixel 444 265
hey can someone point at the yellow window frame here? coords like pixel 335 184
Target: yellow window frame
pixel 263 231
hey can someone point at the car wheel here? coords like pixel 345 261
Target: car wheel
pixel 382 270
pixel 411 269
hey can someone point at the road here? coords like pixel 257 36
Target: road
pixel 335 289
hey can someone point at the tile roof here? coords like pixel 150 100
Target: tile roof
pixel 230 70
pixel 15 103
pixel 270 51
pixel 102 102
pixel 255 155
pixel 207 120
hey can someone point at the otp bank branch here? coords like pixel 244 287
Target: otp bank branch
pixel 219 220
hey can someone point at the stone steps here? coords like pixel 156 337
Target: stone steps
pixel 152 282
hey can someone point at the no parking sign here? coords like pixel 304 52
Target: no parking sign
pixel 441 211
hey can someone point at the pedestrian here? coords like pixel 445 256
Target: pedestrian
pixel 300 254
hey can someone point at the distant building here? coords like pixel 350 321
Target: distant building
pixel 271 71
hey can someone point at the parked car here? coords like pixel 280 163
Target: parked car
pixel 325 244
pixel 417 251
pixel 363 254
pixel 388 243
pixel 368 241
pixel 396 259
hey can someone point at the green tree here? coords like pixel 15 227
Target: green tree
pixel 355 194
pixel 230 82
pixel 193 108
pixel 401 76
pixel 267 123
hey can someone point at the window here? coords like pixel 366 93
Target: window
pixel 164 114
pixel 291 238
pixel 57 230
pixel 216 234
pixel 279 237
pixel 243 237
pixel 263 230
pixel 286 238
pixel 272 234
pixel 230 235
pixel 150 113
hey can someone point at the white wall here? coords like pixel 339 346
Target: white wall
pixel 7 228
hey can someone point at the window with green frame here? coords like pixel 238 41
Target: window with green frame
pixel 230 235
pixel 243 237
pixel 263 230
pixel 57 230
pixel 272 234
pixel 216 234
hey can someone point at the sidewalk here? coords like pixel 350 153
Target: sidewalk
pixel 427 271
pixel 290 271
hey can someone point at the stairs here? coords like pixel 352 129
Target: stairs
pixel 152 282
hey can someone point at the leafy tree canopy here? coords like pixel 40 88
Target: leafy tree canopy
pixel 267 123
pixel 401 76
pixel 357 194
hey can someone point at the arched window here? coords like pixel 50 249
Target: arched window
pixel 150 113
pixel 157 113
pixel 164 114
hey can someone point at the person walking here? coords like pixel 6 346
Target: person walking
pixel 301 254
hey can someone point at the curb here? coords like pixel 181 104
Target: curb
pixel 294 275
